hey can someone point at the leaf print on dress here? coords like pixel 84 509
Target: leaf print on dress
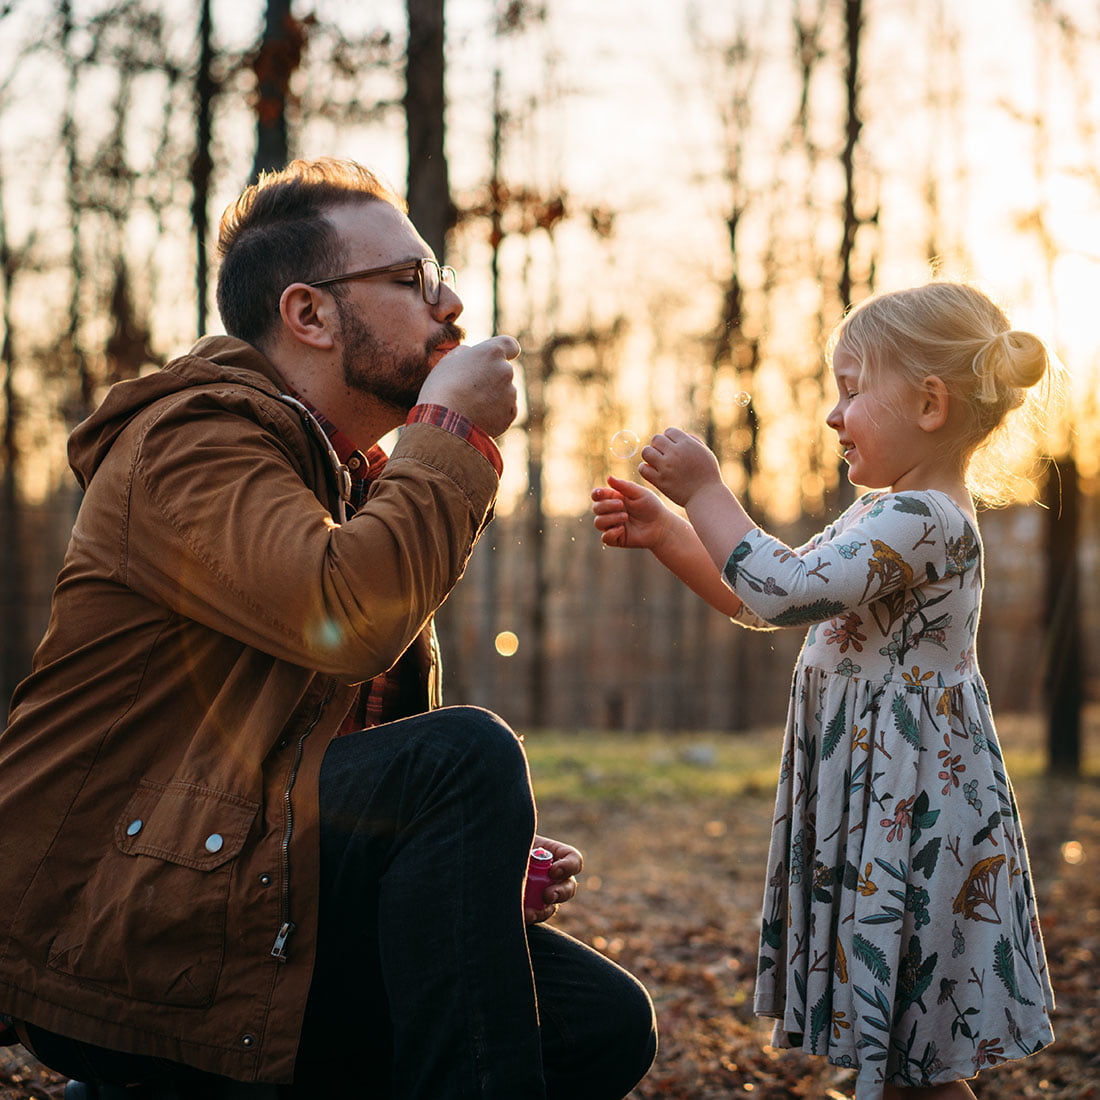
pixel 901 894
pixel 913 505
pixel 914 976
pixel 821 1016
pixel 1004 966
pixel 888 577
pixel 873 957
pixel 804 615
pixel 840 963
pixel 959 1026
pixel 906 723
pixel 845 633
pixel 951 766
pixel 962 554
pixel 977 900
pixel 835 731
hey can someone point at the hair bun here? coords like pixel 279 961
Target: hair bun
pixel 1013 360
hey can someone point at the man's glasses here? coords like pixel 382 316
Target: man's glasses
pixel 432 277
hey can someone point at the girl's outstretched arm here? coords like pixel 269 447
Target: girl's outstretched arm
pixel 686 471
pixel 630 515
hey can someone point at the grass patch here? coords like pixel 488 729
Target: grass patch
pixel 613 766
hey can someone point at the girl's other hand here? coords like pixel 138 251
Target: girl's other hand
pixel 679 464
pixel 628 514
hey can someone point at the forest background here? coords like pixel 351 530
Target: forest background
pixel 670 206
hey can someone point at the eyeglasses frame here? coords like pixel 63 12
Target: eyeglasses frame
pixel 390 269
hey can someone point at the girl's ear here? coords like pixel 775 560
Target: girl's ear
pixel 306 314
pixel 934 404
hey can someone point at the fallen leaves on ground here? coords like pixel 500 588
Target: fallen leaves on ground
pixel 671 891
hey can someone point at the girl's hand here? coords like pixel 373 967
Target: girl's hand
pixel 629 515
pixel 680 465
pixel 566 865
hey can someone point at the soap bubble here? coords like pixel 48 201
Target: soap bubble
pixel 743 398
pixel 624 444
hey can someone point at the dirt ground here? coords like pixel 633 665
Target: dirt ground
pixel 671 891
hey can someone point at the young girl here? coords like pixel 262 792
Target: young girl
pixel 899 933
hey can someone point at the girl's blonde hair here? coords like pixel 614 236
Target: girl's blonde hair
pixel 954 331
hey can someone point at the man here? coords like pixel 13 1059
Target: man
pixel 236 837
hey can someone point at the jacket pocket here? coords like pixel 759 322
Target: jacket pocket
pixel 150 923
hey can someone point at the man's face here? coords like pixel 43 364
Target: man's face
pixel 390 337
pixel 376 367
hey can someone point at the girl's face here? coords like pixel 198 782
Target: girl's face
pixel 876 426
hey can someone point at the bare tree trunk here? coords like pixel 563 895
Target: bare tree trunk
pixel 1065 678
pixel 538 374
pixel 853 23
pixel 852 219
pixel 278 57
pixel 13 657
pixel 202 162
pixel 428 187
pixel 73 200
pixel 490 577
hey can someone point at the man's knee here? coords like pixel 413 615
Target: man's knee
pixel 482 736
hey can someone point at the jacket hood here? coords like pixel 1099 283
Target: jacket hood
pixel 214 359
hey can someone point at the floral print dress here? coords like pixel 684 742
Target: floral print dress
pixel 899 933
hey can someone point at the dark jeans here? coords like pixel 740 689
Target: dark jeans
pixel 428 985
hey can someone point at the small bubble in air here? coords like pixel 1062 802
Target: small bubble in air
pixel 624 444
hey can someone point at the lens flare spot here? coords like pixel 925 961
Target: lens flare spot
pixel 329 634
pixel 506 643
pixel 1073 852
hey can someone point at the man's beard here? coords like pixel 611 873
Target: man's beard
pixel 372 366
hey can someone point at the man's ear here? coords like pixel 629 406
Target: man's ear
pixel 935 403
pixel 308 315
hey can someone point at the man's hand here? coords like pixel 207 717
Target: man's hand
pixel 565 867
pixel 476 381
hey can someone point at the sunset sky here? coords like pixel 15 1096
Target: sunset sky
pixel 616 105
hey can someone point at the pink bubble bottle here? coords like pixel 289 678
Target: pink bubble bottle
pixel 538 878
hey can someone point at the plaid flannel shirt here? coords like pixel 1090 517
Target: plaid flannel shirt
pixel 373 706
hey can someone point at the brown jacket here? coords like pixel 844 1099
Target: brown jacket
pixel 158 776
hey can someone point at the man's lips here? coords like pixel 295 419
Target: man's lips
pixel 442 349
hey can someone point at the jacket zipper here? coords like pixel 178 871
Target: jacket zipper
pixel 343 484
pixel 286 926
pixel 340 471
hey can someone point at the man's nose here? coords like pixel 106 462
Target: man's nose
pixel 449 305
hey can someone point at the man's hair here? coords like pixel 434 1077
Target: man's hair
pixel 276 234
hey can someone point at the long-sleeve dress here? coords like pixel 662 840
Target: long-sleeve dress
pixel 899 932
